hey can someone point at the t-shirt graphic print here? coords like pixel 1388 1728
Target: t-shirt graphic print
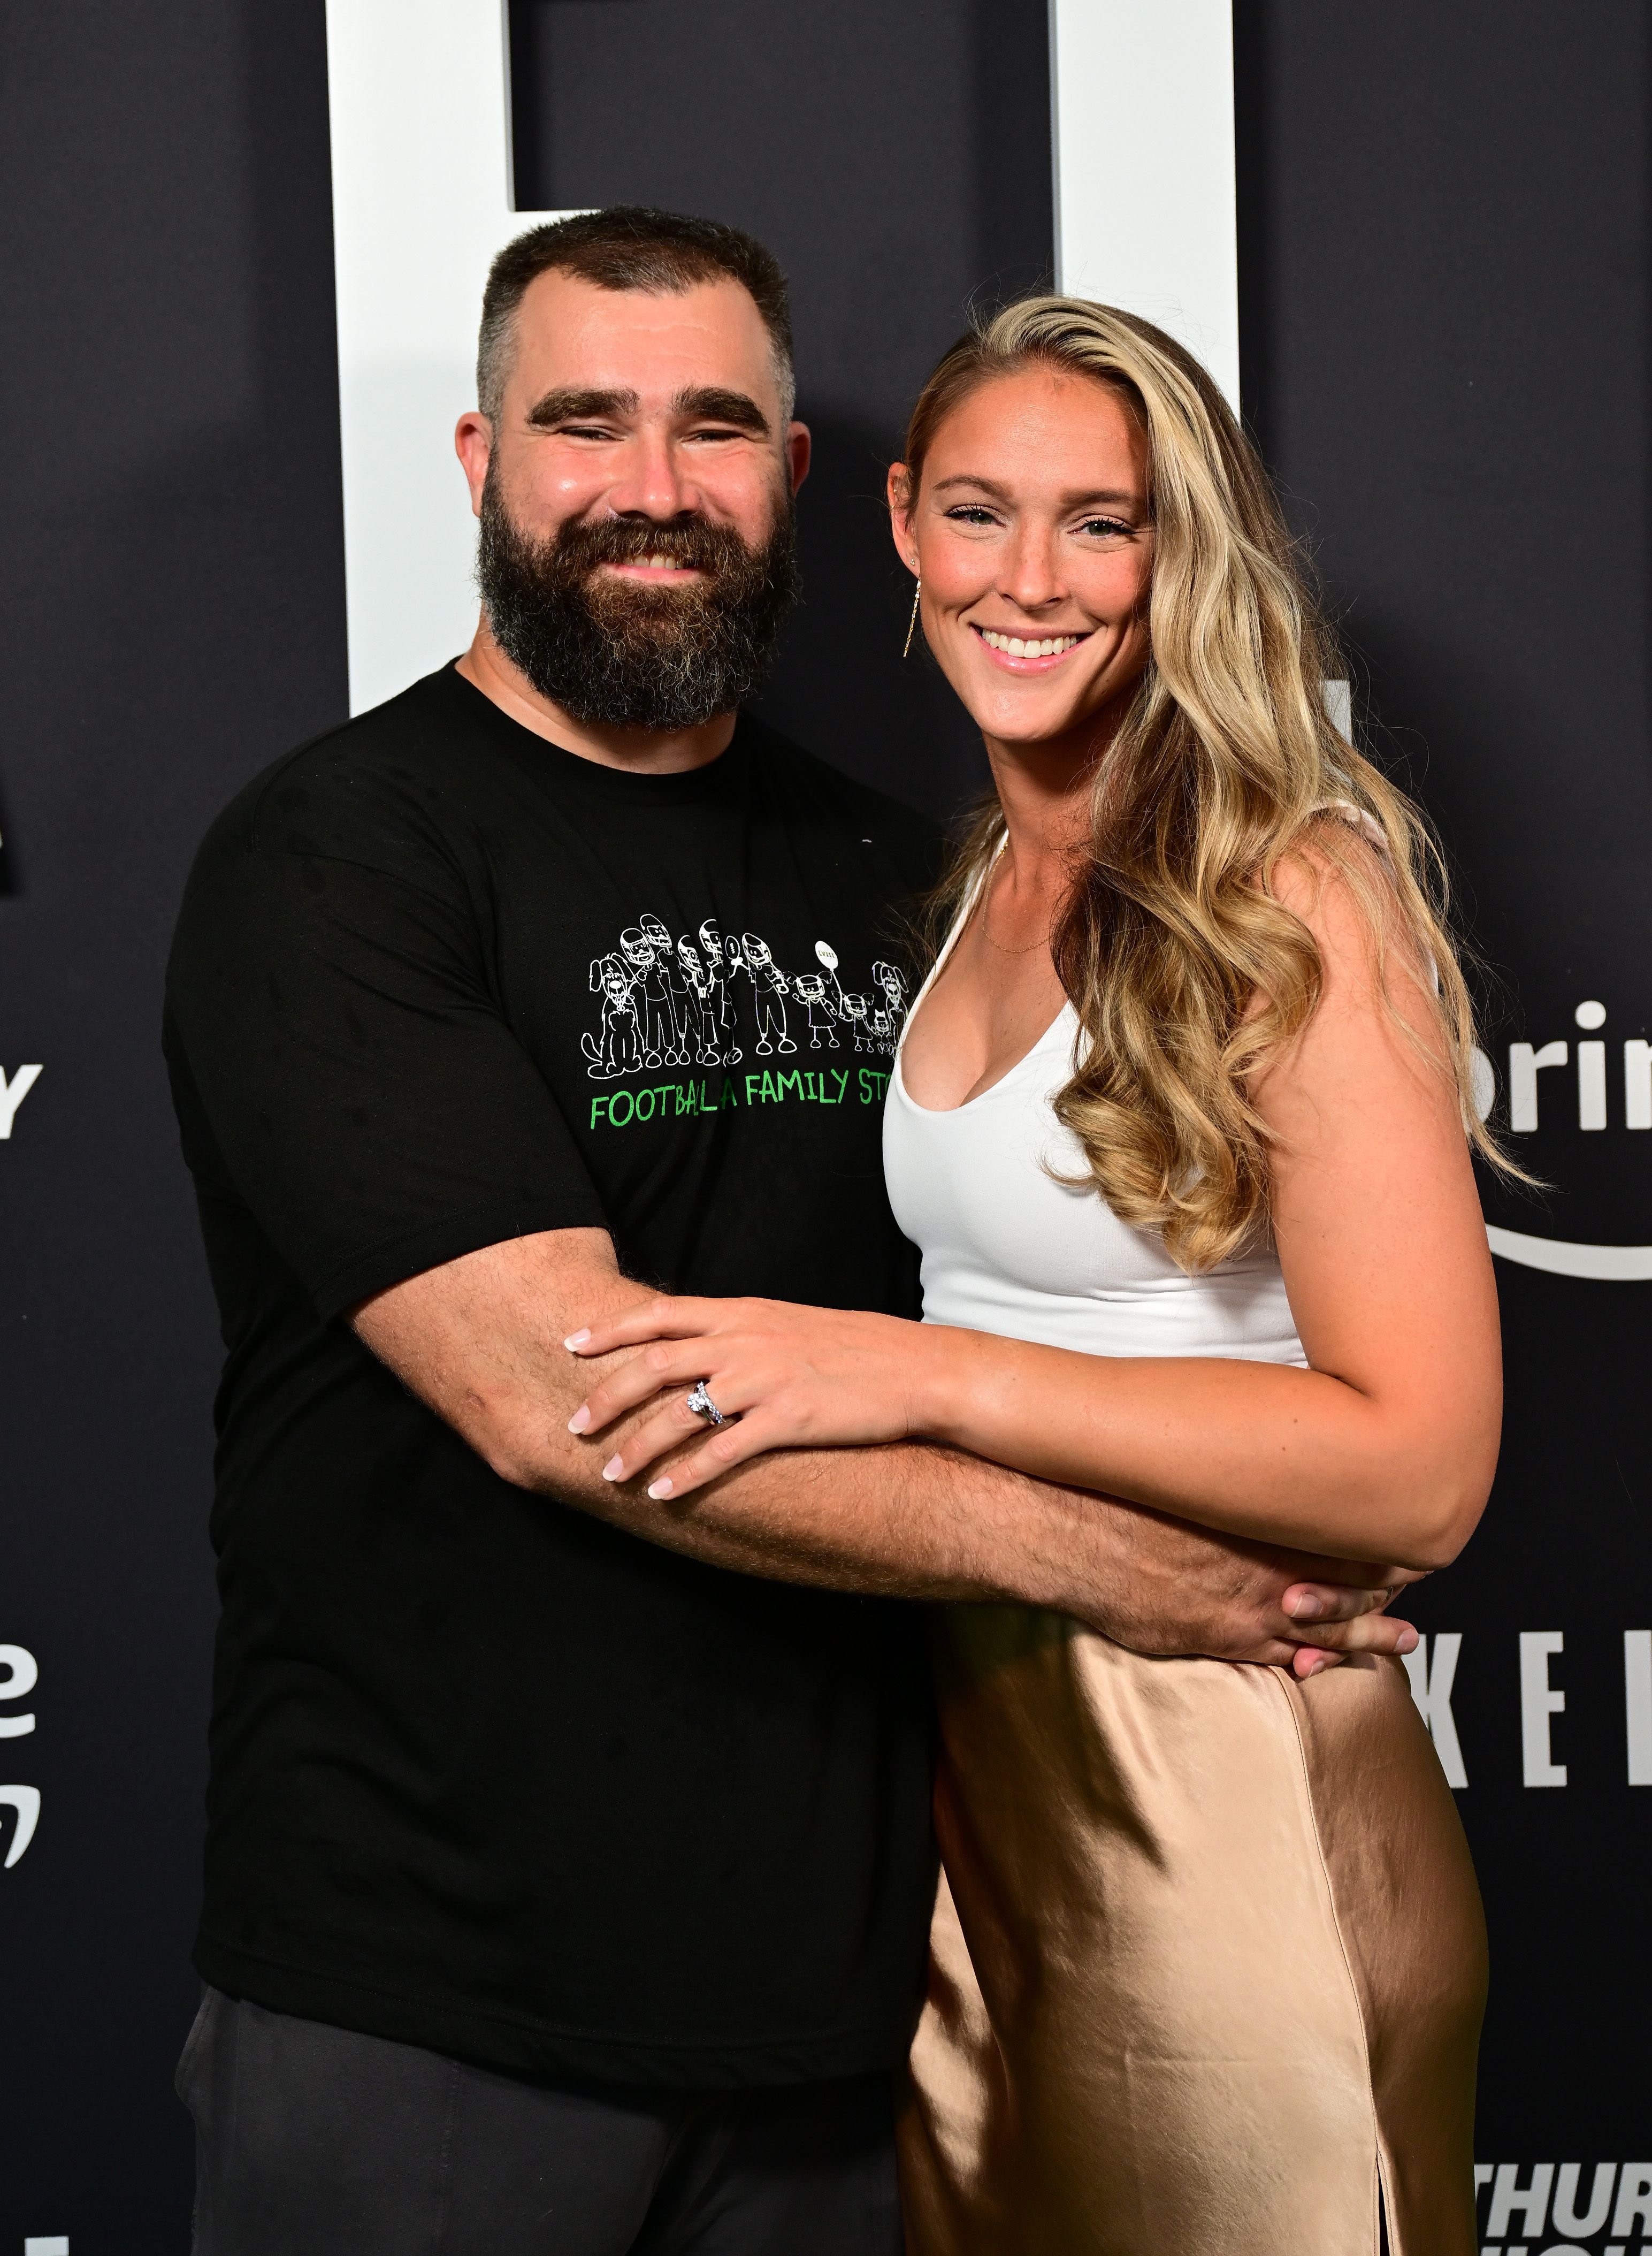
pixel 709 1001
pixel 677 1003
pixel 487 1775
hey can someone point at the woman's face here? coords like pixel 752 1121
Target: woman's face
pixel 1031 535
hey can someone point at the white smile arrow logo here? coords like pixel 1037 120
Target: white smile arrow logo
pixel 1617 1265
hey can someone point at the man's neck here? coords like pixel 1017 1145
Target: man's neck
pixel 644 751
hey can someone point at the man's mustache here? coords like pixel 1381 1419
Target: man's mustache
pixel 692 543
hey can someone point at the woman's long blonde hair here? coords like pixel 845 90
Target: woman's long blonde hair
pixel 1186 973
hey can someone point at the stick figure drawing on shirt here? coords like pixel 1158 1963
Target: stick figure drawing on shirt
pixel 770 990
pixel 827 957
pixel 724 1017
pixel 650 989
pixel 665 993
pixel 809 987
pixel 700 1030
pixel 890 979
pixel 669 1002
pixel 735 963
pixel 619 1047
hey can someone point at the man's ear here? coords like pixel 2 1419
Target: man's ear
pixel 900 500
pixel 799 451
pixel 473 443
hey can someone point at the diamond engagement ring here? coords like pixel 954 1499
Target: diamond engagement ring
pixel 702 1406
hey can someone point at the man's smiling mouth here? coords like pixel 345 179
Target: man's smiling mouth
pixel 654 564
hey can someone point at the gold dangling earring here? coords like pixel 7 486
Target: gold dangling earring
pixel 911 624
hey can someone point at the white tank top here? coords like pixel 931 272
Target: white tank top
pixel 1008 1249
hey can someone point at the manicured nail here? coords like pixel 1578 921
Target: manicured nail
pixel 614 1469
pixel 660 1490
pixel 576 1339
pixel 581 1419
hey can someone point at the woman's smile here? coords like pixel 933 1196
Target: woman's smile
pixel 1017 651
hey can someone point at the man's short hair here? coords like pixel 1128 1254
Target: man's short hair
pixel 630 247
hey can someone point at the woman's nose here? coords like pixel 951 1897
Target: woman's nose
pixel 1030 579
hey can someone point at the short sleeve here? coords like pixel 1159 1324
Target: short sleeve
pixel 345 1070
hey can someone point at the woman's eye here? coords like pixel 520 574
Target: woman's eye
pixel 970 513
pixel 1106 528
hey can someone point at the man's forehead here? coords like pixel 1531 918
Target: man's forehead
pixel 569 331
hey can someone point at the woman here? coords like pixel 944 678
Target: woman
pixel 1178 1122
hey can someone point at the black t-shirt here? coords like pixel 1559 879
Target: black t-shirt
pixel 487 1775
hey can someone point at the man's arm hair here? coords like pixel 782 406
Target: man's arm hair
pixel 481 1341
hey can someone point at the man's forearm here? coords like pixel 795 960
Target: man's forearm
pixel 915 1521
pixel 909 1520
pixel 482 1343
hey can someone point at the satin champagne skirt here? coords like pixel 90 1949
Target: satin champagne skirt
pixel 1208 1961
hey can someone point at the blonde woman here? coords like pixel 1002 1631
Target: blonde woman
pixel 1178 1122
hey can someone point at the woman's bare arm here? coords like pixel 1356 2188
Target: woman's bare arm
pixel 479 1340
pixel 1384 1448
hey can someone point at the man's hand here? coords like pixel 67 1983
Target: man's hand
pixel 1181 1589
pixel 479 1340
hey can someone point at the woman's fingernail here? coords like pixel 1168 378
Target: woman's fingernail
pixel 1408 1641
pixel 576 1339
pixel 581 1419
pixel 660 1490
pixel 1314 1666
pixel 1307 1608
pixel 613 1470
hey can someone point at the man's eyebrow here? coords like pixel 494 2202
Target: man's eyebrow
pixel 1090 497
pixel 719 407
pixel 570 406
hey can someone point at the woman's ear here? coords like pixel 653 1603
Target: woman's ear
pixel 900 500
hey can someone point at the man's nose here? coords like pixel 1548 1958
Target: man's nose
pixel 654 482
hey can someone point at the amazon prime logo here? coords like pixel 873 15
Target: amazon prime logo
pixel 1545 1082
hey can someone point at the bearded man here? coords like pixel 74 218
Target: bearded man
pixel 568 1868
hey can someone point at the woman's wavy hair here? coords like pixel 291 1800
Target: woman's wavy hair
pixel 1186 972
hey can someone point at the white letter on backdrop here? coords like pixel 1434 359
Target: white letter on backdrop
pixel 1524 1066
pixel 1146 204
pixel 419 99
pixel 26 1800
pixel 1637 1703
pixel 12 1093
pixel 1431 1690
pixel 1634 2212
pixel 23 1677
pixel 1538 1702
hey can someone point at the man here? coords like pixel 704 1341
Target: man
pixel 565 1891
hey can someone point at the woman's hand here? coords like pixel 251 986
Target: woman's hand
pixel 785 1377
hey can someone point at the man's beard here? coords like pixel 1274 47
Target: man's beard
pixel 631 653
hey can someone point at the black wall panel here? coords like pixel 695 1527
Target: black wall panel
pixel 171 618
pixel 1447 315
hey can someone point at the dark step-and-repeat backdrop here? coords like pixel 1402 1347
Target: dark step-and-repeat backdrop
pixel 1443 303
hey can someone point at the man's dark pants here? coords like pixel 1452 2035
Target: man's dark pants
pixel 317 2141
